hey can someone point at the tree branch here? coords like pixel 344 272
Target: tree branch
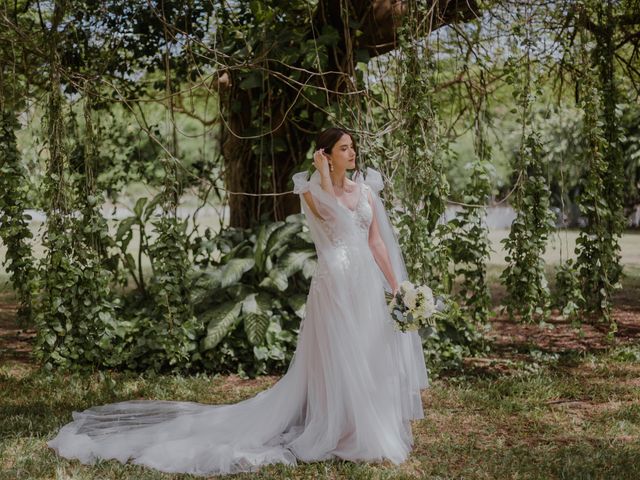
pixel 380 20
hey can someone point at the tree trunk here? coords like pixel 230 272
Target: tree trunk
pixel 244 169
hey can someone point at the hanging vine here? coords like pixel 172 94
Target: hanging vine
pixel 597 247
pixel 14 227
pixel 174 325
pixel 75 319
pixel 470 245
pixel 421 184
pixel 524 277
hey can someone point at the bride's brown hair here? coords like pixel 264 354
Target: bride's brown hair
pixel 328 138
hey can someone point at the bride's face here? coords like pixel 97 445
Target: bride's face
pixel 343 153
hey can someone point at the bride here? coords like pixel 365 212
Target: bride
pixel 353 384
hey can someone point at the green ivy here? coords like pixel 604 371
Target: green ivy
pixel 600 201
pixel 174 329
pixel 524 277
pixel 421 184
pixel 14 227
pixel 76 310
pixel 422 188
pixel 597 250
pixel 568 295
pixel 470 245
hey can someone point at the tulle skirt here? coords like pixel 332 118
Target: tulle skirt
pixel 350 392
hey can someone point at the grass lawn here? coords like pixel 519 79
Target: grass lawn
pixel 567 416
pixel 547 402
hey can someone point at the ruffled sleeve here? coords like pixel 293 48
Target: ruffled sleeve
pixel 300 182
pixel 374 180
pixel 326 205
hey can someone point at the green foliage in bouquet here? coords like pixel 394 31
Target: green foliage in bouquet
pixel 412 307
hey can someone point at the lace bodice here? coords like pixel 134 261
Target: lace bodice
pixel 341 238
pixel 361 216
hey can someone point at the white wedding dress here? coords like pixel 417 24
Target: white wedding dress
pixel 350 391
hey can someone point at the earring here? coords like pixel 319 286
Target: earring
pixel 331 166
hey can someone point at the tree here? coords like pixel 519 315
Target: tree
pixel 262 102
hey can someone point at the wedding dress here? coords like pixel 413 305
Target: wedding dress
pixel 350 391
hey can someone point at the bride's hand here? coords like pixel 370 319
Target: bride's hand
pixel 321 162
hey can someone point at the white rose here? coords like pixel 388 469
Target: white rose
pixel 410 299
pixel 406 286
pixel 426 292
pixel 429 306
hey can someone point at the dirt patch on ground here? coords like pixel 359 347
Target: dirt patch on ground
pixel 16 343
pixel 561 335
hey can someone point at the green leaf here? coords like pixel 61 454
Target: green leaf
pixel 281 237
pixel 204 283
pixel 293 262
pixel 148 211
pixel 130 262
pixel 309 268
pixel 233 270
pixel 125 227
pixel 266 302
pixel 298 303
pixel 139 206
pixel 222 320
pixel 255 326
pixel 261 243
pixel 279 278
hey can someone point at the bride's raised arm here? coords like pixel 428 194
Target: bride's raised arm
pixel 318 192
pixel 321 163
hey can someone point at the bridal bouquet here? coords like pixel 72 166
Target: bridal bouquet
pixel 412 307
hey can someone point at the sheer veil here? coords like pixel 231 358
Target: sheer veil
pixel 375 182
